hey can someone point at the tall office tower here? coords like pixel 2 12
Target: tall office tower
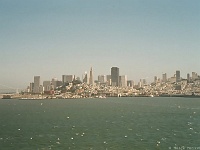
pixel 164 78
pixel 31 87
pixel 194 76
pixel 41 89
pixel 130 83
pixel 115 76
pixel 178 76
pixel 188 77
pixel 47 85
pixel 36 88
pixel 155 79
pixel 85 78
pixel 123 81
pixel 108 80
pixel 54 82
pixel 67 78
pixel 91 80
pixel 102 78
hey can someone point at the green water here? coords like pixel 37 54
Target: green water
pixel 100 124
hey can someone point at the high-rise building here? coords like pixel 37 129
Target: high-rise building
pixel 188 77
pixel 36 88
pixel 91 80
pixel 123 81
pixel 130 83
pixel 164 77
pixel 47 85
pixel 178 76
pixel 108 80
pixel 155 79
pixel 194 76
pixel 115 76
pixel 31 87
pixel 67 78
pixel 85 78
pixel 102 78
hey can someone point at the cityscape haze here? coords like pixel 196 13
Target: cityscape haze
pixel 53 38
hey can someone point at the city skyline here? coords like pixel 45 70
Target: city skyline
pixel 53 38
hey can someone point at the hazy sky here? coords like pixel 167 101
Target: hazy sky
pixel 143 38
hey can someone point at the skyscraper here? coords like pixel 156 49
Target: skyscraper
pixel 108 80
pixel 102 78
pixel 194 76
pixel 178 76
pixel 123 81
pixel 188 77
pixel 115 76
pixel 67 78
pixel 91 80
pixel 164 78
pixel 85 78
pixel 31 87
pixel 47 85
pixel 36 88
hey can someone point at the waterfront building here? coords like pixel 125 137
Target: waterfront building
pixel 178 76
pixel 164 77
pixel 115 76
pixel 91 80
pixel 67 78
pixel 123 81
pixel 36 84
pixel 31 87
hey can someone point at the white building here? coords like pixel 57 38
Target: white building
pixel 123 80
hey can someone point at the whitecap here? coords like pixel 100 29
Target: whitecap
pixel 130 129
pixel 68 117
pixel 57 142
pixel 125 136
pixel 72 138
pixel 19 129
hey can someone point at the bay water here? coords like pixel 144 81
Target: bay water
pixel 100 124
